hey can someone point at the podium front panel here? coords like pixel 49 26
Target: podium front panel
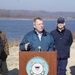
pixel 49 57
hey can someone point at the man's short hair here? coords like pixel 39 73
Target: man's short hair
pixel 36 19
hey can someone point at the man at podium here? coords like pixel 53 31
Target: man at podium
pixel 37 39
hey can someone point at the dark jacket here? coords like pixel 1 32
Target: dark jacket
pixel 5 47
pixel 1 46
pixel 46 43
pixel 63 41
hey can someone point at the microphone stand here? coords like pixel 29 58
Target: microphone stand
pixel 39 48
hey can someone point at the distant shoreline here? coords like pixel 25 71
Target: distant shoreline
pixel 14 19
pixel 27 19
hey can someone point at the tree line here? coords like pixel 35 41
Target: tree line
pixel 27 14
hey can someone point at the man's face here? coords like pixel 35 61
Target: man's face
pixel 60 25
pixel 39 26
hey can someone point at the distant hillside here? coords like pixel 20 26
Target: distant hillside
pixel 26 14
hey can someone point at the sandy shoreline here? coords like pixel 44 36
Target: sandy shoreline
pixel 13 61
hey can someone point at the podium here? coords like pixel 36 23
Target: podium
pixel 38 63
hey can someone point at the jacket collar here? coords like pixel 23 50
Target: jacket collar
pixel 61 31
pixel 43 32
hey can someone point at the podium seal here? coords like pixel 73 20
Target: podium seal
pixel 37 66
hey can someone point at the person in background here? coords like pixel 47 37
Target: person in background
pixel 37 39
pixel 4 52
pixel 63 41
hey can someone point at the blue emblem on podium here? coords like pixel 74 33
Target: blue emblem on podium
pixel 37 66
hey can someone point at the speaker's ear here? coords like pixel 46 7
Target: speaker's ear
pixel 34 25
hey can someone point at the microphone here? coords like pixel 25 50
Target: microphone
pixel 39 48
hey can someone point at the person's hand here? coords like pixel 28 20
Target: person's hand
pixel 26 45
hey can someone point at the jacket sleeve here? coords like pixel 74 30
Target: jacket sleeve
pixel 23 42
pixel 70 39
pixel 52 46
pixel 6 45
pixel 5 51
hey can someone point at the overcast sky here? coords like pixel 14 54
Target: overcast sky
pixel 47 5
